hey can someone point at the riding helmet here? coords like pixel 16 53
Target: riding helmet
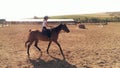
pixel 46 17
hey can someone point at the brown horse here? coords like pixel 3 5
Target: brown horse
pixel 38 35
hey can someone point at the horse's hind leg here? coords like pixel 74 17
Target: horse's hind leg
pixel 26 43
pixel 29 48
pixel 36 45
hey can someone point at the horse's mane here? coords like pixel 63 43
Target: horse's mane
pixel 53 29
pixel 57 27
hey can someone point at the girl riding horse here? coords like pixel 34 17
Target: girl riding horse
pixel 38 35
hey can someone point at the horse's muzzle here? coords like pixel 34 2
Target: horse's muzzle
pixel 68 31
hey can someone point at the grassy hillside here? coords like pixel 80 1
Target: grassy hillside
pixel 91 18
pixel 98 15
pixel 113 13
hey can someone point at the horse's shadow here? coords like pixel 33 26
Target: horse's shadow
pixel 55 63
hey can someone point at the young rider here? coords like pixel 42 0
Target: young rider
pixel 44 27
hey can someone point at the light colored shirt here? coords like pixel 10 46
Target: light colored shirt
pixel 44 24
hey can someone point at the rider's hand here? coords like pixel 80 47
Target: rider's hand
pixel 51 26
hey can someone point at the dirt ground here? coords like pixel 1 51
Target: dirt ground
pixel 94 47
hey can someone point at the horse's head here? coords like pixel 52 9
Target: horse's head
pixel 65 28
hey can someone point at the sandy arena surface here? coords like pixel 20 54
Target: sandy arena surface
pixel 94 47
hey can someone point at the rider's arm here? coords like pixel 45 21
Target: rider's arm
pixel 47 24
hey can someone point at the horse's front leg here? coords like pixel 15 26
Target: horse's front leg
pixel 60 49
pixel 48 47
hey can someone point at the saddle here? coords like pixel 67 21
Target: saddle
pixel 46 32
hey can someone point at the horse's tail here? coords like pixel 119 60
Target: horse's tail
pixel 30 30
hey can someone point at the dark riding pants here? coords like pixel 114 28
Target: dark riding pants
pixel 46 32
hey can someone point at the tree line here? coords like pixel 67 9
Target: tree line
pixel 97 19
